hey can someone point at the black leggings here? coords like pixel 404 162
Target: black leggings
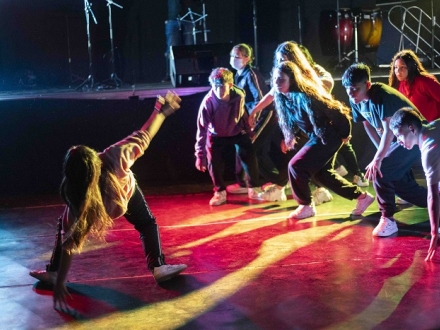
pixel 138 214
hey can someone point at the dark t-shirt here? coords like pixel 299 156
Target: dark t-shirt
pixel 383 102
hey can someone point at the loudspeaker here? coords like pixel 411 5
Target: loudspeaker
pixel 191 65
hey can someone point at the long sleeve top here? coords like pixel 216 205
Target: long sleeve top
pixel 254 86
pixel 118 158
pixel 425 94
pixel 220 118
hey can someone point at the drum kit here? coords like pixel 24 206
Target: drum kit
pixel 337 29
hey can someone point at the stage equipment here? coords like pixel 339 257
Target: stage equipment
pixel 370 29
pixel 113 76
pixel 89 82
pixel 193 18
pixel 336 32
pixel 254 19
pixel 191 65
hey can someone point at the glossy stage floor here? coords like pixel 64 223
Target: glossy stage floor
pixel 249 267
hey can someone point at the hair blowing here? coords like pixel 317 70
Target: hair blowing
pixel 84 179
pixel 313 95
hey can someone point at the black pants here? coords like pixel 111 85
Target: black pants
pixel 272 163
pixel 398 179
pixel 315 160
pixel 216 162
pixel 348 154
pixel 138 214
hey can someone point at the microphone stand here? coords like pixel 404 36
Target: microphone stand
pixel 254 11
pixel 89 82
pixel 113 77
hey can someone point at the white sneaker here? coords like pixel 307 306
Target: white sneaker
pixel 44 276
pixel 321 195
pixel 236 189
pixel 386 227
pixel 362 203
pixel 360 181
pixel 401 201
pixel 341 170
pixel 303 211
pixel 273 194
pixel 254 193
pixel 165 272
pixel 219 198
pixel 267 185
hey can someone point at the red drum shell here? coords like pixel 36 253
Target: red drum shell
pixel 328 31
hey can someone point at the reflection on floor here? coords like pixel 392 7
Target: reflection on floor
pixel 249 267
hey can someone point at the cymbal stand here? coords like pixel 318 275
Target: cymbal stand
pixel 194 18
pixel 89 82
pixel 113 77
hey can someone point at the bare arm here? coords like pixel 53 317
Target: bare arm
pixel 373 169
pixel 164 107
pixel 371 132
pixel 255 113
pixel 60 292
pixel 434 215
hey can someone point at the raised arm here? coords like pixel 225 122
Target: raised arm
pixel 164 107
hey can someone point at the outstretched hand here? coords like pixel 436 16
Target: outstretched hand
pixel 169 104
pixel 372 171
pixel 432 247
pixel 60 295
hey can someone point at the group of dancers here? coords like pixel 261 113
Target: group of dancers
pixel 301 106
pixel 297 116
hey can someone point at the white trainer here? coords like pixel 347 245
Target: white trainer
pixel 165 272
pixel 321 195
pixel 386 227
pixel 303 212
pixel 401 201
pixel 273 194
pixel 341 170
pixel 362 203
pixel 219 198
pixel 236 189
pixel 360 181
pixel 254 193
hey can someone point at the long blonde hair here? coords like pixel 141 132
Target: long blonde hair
pixel 81 189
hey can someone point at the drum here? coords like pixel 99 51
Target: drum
pixel 329 34
pixel 370 29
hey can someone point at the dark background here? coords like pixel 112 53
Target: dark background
pixel 37 38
